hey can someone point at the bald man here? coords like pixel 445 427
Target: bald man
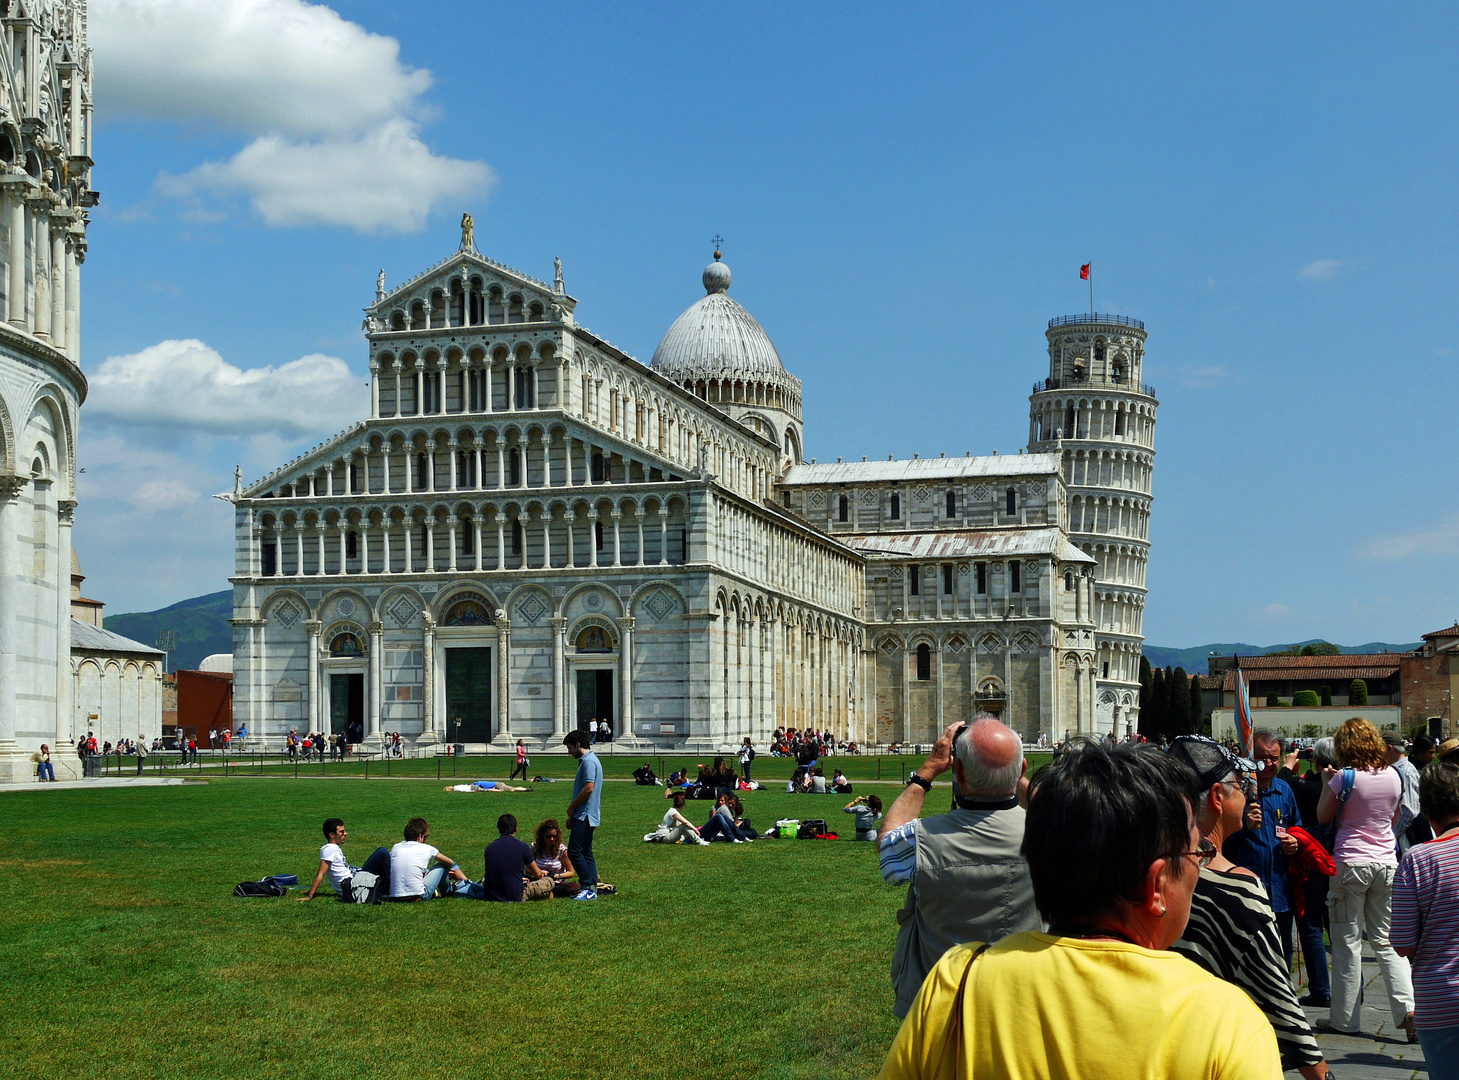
pixel 966 876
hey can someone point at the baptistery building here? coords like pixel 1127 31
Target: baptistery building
pixel 533 529
pixel 45 196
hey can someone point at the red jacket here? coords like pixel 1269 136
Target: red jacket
pixel 1310 858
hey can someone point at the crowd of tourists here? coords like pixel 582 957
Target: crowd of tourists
pixel 1121 862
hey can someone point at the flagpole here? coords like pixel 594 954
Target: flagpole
pixel 1091 286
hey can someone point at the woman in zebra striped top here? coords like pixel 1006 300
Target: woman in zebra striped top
pixel 1232 932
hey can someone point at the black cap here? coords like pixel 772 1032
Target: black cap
pixel 1211 761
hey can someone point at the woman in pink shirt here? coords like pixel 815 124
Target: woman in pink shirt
pixel 1363 796
pixel 522 762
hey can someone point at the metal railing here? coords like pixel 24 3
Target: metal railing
pixel 1111 320
pixel 1090 384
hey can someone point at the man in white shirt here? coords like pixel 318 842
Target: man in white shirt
pixel 333 862
pixel 411 875
pixel 593 730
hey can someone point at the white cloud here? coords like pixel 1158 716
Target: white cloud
pixel 153 496
pixel 386 180
pixel 186 385
pixel 333 113
pixel 1320 270
pixel 1440 539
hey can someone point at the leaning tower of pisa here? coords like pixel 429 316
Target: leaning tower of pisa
pixel 1094 411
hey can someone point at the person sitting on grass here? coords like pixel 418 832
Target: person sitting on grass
pixel 867 809
pixel 333 862
pixel 678 779
pixel 550 855
pixel 411 875
pixel 644 776
pixel 839 784
pixel 721 823
pixel 510 875
pixel 742 823
pixel 818 781
pixel 675 828
pixel 484 785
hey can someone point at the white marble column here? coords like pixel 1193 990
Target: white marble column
pixel 617 516
pixel 377 682
pixel 58 286
pixel 559 687
pixel 435 713
pixel 479 558
pixel 663 537
pixel 313 627
pixel 454 544
pixel 624 726
pixel 593 523
pixel 65 710
pixel 73 306
pixel 364 545
pixel 17 258
pixel 42 276
pixel 385 546
pixel 374 389
pixel 504 671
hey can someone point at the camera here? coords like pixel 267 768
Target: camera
pixel 1305 754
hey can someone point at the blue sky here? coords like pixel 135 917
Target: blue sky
pixel 906 194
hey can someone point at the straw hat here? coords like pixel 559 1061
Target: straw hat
pixel 1448 751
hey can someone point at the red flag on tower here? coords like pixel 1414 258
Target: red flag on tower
pixel 1084 272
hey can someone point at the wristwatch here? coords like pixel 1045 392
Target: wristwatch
pixel 921 781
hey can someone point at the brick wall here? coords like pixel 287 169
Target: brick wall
pixel 1425 681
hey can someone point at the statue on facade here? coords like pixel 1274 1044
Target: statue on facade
pixel 380 286
pixel 557 280
pixel 468 233
pixel 238 480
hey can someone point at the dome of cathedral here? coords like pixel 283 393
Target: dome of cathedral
pixel 716 338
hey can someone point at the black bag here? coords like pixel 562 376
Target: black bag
pixel 265 887
pixel 753 755
pixel 810 830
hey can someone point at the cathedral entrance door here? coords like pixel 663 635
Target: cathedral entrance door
pixel 468 695
pixel 595 697
pixel 346 703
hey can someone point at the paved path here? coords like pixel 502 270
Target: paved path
pixel 1383 1052
pixel 102 782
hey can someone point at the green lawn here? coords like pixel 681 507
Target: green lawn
pixel 125 954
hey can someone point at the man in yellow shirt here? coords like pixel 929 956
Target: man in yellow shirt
pixel 1114 854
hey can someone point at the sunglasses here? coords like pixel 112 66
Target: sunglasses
pixel 1205 851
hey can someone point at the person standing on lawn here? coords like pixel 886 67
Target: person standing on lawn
pixel 522 762
pixel 1263 846
pixel 747 757
pixel 967 879
pixel 583 812
pixel 141 753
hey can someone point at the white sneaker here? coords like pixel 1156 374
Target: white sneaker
pixel 739 841
pixel 586 894
pixel 702 842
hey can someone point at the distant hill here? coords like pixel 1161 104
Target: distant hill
pixel 1194 658
pixel 201 623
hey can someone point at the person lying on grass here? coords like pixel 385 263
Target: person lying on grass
pixel 675 828
pixel 550 855
pixel 333 863
pixel 485 785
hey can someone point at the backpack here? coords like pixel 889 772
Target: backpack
pixel 753 755
pixel 811 829
pixel 363 888
pixel 266 887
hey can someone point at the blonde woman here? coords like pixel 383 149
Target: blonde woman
pixel 1363 795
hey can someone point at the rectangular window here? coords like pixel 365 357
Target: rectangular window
pixel 1012 501
pixel 354 477
pixel 982 579
pixel 843 508
pixel 952 504
pixel 1106 669
pixel 914 580
pixel 270 560
pixel 468 534
pixel 683 546
pixel 785 499
pixel 349 545
pixel 1015 576
pixel 516 538
pixel 514 467
pixel 947 579
pixel 598 534
pixel 896 507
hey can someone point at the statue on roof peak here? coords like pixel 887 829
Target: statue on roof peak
pixel 468 233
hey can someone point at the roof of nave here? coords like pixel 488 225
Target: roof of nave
pixel 963 468
pixel 95 639
pixel 1009 543
pixel 447 266
pixel 327 444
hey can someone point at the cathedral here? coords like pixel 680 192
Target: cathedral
pixel 533 529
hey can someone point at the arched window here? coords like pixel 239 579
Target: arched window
pixel 345 644
pixel 1011 499
pixel 594 639
pixel 924 663
pixel 896 507
pixel 952 504
pixel 1068 581
pixel 843 508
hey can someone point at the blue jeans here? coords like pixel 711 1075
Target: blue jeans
pixel 378 864
pixel 45 771
pixel 1441 1051
pixel 580 851
pixel 434 877
pixel 717 825
pixel 1309 930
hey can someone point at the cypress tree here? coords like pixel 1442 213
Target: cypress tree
pixel 1180 703
pixel 1147 687
pixel 1198 708
pixel 1157 705
pixel 1358 693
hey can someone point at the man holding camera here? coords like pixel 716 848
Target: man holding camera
pixel 966 876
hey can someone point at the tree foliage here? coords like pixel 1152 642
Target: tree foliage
pixel 1305 699
pixel 1197 706
pixel 1358 693
pixel 1179 717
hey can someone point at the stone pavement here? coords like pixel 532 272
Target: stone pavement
pixel 1383 1052
pixel 101 782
